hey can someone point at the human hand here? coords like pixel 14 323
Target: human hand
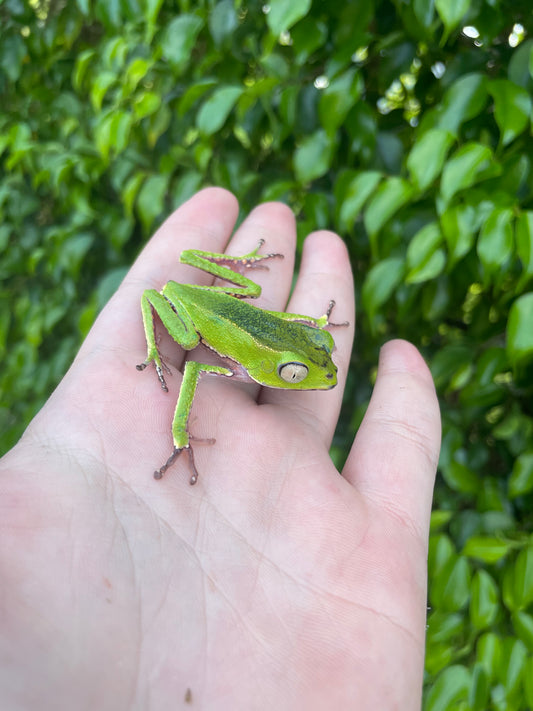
pixel 273 582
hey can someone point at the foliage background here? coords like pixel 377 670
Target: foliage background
pixel 385 120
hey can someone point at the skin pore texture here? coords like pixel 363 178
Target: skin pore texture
pixel 273 583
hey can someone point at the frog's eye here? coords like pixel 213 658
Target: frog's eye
pixel 293 372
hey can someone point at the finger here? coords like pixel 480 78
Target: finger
pixel 325 274
pixel 394 457
pixel 203 222
pixel 274 223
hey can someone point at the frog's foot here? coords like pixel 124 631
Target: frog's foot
pixel 160 366
pixel 175 454
pixel 252 259
pixel 328 314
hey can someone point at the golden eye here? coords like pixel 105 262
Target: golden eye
pixel 293 372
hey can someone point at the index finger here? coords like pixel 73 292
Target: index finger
pixel 206 222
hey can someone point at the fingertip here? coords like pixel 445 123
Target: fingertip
pixel 399 356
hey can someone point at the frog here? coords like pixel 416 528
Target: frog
pixel 272 348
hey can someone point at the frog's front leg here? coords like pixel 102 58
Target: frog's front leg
pixel 180 434
pixel 179 326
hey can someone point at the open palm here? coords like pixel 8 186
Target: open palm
pixel 274 582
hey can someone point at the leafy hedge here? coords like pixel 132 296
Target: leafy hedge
pixel 405 126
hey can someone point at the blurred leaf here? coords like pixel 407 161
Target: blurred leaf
pixel 524 245
pixel 151 10
pixel 388 198
pixel 464 100
pixel 451 586
pixel 351 192
pixel 463 169
pixel 487 548
pixel 484 603
pixel 424 11
pixel 424 258
pixel 146 103
pixel 283 14
pixel 380 282
pixel 512 108
pixel 519 331
pixel 523 578
pixel 216 109
pixel 523 625
pixel 313 156
pixel 495 243
pixel 222 21
pixel 308 36
pixel 458 225
pixel 514 656
pixel 100 87
pixel 521 479
pixel 338 98
pixel 150 199
pixel 489 652
pixel 427 156
pixel 451 12
pixel 478 699
pixel 179 38
pixel 450 688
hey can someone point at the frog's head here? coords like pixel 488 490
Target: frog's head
pixel 308 366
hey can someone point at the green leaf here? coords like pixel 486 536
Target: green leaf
pixel 151 10
pixel 451 588
pixel 312 158
pixel 518 69
pixel 478 698
pixel 351 193
pixel 283 14
pixel 513 658
pixel 387 200
pixel 193 93
pixel 484 600
pixel 521 479
pixel 424 258
pixel 101 84
pixel 495 242
pixel 338 99
pixel 146 104
pixel 524 246
pixel 512 108
pixel 464 100
pixel 528 682
pixel 519 331
pixel 523 578
pixel 129 193
pixel 222 21
pixel 380 282
pixel 83 60
pixel 487 548
pixel 216 109
pixel 424 11
pixel 135 71
pixel 449 689
pixel 151 199
pixel 12 56
pixel 451 12
pixel 523 625
pixel 308 36
pixel 458 475
pixel 489 651
pixel 463 169
pixel 427 156
pixel 179 38
pixel 458 224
